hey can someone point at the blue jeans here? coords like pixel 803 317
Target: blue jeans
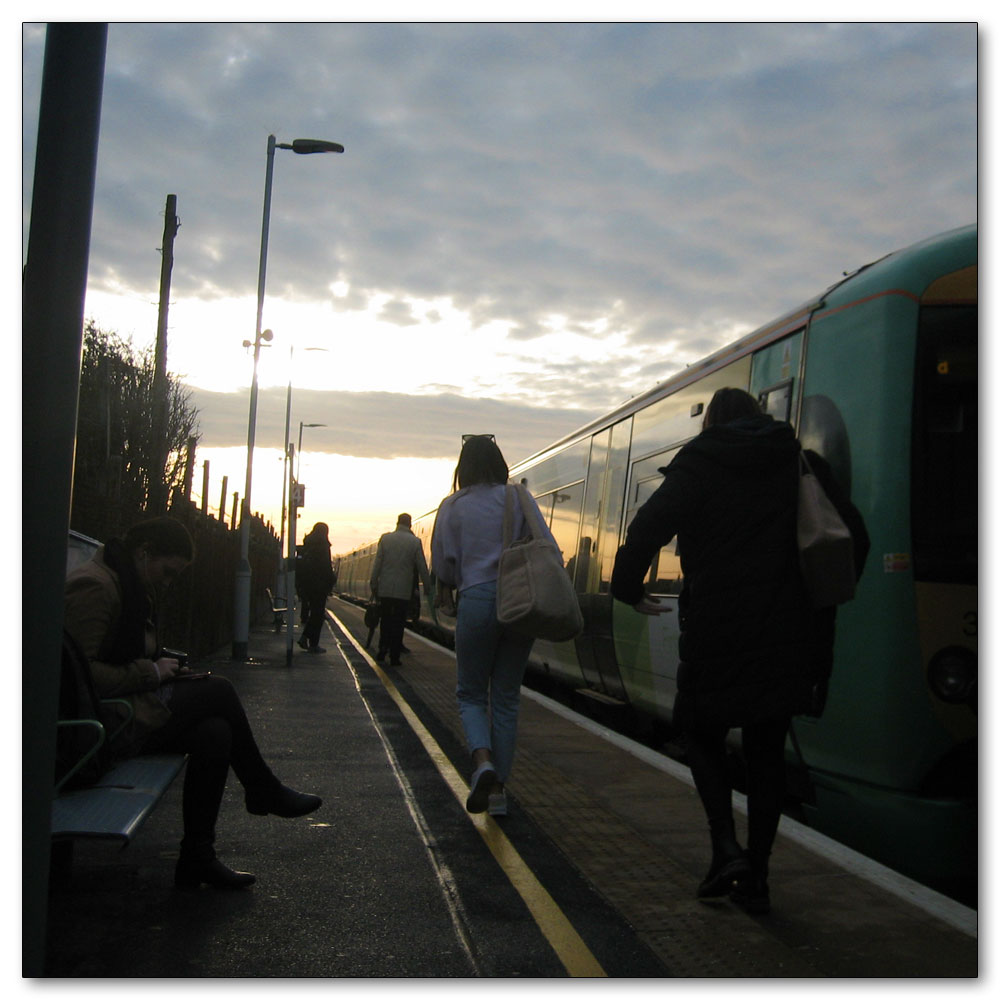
pixel 491 663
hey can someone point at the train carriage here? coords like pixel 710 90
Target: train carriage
pixel 879 375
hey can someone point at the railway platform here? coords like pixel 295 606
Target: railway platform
pixel 592 873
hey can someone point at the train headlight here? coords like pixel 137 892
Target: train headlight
pixel 952 674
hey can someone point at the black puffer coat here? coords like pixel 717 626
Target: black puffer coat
pixel 314 573
pixel 748 637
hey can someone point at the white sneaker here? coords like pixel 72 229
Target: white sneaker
pixel 483 779
pixel 498 803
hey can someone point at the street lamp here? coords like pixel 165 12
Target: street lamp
pixel 298 464
pixel 241 615
pixel 282 564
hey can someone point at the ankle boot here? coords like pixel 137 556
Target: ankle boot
pixel 193 872
pixel 279 800
pixel 729 862
pixel 750 891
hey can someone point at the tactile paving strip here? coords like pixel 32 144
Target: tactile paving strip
pixel 648 887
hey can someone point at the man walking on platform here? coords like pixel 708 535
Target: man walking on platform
pixel 399 555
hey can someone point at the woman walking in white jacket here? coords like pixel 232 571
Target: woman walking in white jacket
pixel 465 554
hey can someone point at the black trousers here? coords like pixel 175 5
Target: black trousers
pixel 208 722
pixel 393 622
pixel 315 609
pixel 764 752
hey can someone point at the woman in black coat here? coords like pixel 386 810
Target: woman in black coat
pixel 752 650
pixel 314 579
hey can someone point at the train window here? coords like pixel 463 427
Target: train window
pixel 677 417
pixel 775 368
pixel 567 466
pixel 664 577
pixel 562 509
pixel 777 401
pixel 613 503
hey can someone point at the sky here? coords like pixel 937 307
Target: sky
pixel 531 222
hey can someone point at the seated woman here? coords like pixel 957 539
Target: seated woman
pixel 111 612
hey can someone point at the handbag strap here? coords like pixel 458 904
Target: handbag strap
pixel 532 517
pixel 508 516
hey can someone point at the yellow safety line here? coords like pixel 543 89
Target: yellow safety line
pixel 552 922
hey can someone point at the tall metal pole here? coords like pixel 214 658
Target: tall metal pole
pixel 290 565
pixel 284 478
pixel 241 623
pixel 53 291
pixel 157 483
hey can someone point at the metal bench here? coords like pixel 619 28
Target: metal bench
pixel 279 608
pixel 117 804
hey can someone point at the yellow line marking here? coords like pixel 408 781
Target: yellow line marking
pixel 552 922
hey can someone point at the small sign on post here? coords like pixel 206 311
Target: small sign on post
pixel 298 495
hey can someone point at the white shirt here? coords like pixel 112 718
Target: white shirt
pixel 468 535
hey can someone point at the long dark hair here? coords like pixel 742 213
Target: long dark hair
pixel 320 534
pixel 728 405
pixel 480 461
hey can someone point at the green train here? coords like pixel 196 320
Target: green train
pixel 879 375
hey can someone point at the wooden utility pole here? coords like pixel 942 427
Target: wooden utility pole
pixel 204 487
pixel 222 502
pixel 192 446
pixel 157 483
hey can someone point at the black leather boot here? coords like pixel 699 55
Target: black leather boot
pixel 193 872
pixel 279 800
pixel 750 891
pixel 729 863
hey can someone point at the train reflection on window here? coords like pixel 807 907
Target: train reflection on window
pixel 664 576
pixel 561 509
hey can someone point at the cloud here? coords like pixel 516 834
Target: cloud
pixel 384 424
pixel 673 175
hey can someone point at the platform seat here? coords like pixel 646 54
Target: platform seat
pixel 117 805
pixel 279 607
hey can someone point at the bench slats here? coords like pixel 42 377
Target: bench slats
pixel 117 806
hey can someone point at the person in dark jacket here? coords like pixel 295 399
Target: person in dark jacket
pixel 752 650
pixel 111 603
pixel 314 580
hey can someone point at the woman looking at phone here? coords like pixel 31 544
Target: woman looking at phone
pixel 110 610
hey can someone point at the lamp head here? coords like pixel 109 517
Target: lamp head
pixel 315 146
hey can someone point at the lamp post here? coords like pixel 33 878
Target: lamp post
pixel 282 565
pixel 298 466
pixel 241 615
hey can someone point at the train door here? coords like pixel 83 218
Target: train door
pixel 647 646
pixel 561 509
pixel 944 508
pixel 599 536
pixel 775 378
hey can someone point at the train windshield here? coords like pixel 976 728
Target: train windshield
pixel 945 458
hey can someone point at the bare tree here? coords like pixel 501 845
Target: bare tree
pixel 115 448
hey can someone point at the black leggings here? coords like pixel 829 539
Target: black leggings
pixel 315 611
pixel 208 722
pixel 764 752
